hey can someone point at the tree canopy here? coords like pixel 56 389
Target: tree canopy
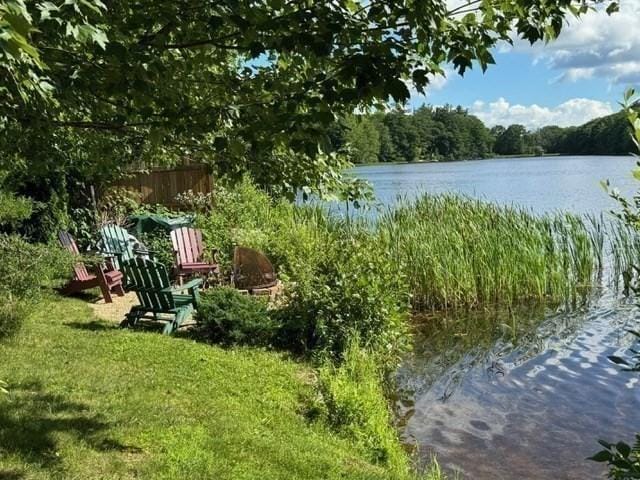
pixel 248 86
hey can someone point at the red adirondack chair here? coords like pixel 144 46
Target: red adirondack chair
pixel 188 250
pixel 108 279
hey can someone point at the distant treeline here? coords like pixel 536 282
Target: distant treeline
pixel 451 133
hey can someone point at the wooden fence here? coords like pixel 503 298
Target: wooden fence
pixel 162 185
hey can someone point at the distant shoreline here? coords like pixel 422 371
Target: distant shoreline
pixel 493 157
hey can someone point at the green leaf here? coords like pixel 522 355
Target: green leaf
pixel 612 8
pixel 601 456
pixel 397 89
pixel 618 360
pixel 623 448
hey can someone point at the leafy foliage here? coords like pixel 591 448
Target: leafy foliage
pixel 624 460
pixel 337 280
pixel 441 133
pixel 448 133
pixel 245 86
pixel 14 210
pixel 24 271
pixel 630 209
pixel 231 318
pixel 353 290
pixel 26 267
pixel 510 140
pixel 22 67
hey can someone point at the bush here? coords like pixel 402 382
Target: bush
pixel 354 289
pixel 337 276
pixel 158 240
pixel 355 404
pixel 14 209
pixel 232 318
pixel 238 215
pixel 159 244
pixel 26 270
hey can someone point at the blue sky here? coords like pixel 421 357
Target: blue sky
pixel 581 75
pixel 519 79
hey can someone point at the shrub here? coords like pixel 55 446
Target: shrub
pixel 25 271
pixel 355 404
pixel 158 240
pixel 337 276
pixel 239 215
pixel 116 204
pixel 232 318
pixel 14 209
pixel 354 289
pixel 159 244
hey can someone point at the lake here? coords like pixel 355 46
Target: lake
pixel 528 402
pixel 542 183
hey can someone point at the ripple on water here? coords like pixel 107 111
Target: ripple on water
pixel 531 409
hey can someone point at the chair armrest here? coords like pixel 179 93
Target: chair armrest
pixel 190 285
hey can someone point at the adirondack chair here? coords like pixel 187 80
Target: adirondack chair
pixel 107 278
pixel 116 242
pixel 188 250
pixel 253 272
pixel 150 281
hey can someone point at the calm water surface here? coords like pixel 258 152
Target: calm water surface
pixel 523 394
pixel 542 184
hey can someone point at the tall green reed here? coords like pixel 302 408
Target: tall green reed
pixel 462 252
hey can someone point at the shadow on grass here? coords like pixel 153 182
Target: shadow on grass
pixel 198 333
pixel 92 295
pixel 11 475
pixel 93 326
pixel 32 419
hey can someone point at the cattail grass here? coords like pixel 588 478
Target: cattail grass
pixel 458 252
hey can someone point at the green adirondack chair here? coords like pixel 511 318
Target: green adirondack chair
pixel 156 295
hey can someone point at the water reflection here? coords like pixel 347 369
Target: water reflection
pixel 520 394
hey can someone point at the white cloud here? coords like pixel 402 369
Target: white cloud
pixel 595 45
pixel 572 112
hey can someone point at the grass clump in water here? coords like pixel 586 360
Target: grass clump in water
pixel 461 252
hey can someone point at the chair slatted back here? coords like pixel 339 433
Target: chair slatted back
pixel 79 269
pixel 116 240
pixel 147 278
pixel 187 243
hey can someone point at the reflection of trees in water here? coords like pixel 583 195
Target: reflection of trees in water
pixel 548 408
pixel 450 345
pixel 623 459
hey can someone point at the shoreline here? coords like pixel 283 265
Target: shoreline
pixel 493 157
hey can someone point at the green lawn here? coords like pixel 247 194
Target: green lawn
pixel 90 401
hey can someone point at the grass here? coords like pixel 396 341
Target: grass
pixel 459 252
pixel 356 405
pixel 89 401
pixel 454 252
